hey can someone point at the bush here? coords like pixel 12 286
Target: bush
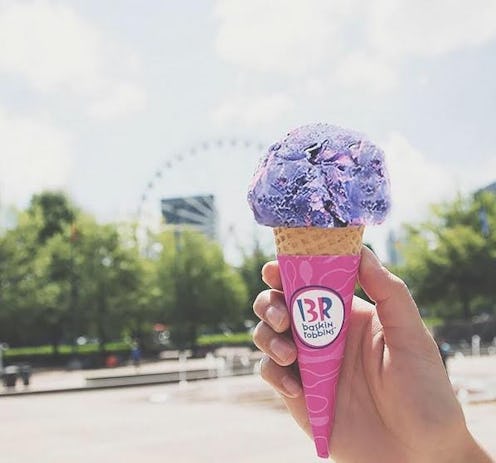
pixel 64 349
pixel 233 339
pixel 44 356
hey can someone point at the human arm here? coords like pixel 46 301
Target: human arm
pixel 395 402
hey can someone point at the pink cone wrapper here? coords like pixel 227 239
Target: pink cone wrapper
pixel 319 292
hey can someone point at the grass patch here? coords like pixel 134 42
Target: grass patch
pixel 65 349
pixel 224 339
pixel 121 346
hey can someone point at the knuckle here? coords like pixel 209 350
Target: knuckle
pixel 261 301
pixel 395 281
pixel 260 336
pixel 276 298
pixel 265 367
pixel 398 283
pixel 256 332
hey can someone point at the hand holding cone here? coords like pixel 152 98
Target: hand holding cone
pixel 318 270
pixel 317 188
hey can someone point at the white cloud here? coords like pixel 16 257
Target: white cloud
pixel 124 98
pixel 50 46
pixel 252 111
pixel 279 35
pixel 471 176
pixel 33 155
pixel 416 181
pixel 353 43
pixel 54 48
pixel 428 28
pixel 365 70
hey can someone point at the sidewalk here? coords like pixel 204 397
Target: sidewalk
pixel 228 419
pixel 63 380
pixel 217 421
pixel 474 378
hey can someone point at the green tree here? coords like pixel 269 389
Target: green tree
pixel 200 290
pixel 63 275
pixel 451 259
pixel 110 274
pixel 141 307
pixel 251 272
pixel 17 282
pixel 55 211
pixel 33 278
pixel 54 214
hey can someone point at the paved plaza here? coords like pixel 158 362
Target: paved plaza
pixel 223 420
pixel 214 421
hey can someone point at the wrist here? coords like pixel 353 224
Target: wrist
pixel 477 454
pixel 456 447
pixel 470 451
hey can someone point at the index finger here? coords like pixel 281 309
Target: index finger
pixel 395 306
pixel 271 275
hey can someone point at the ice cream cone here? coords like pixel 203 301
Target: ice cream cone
pixel 314 241
pixel 318 269
pixel 317 187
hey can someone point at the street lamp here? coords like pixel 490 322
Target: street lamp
pixel 3 346
pixel 106 262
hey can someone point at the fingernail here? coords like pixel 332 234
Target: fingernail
pixel 281 349
pixel 373 255
pixel 262 273
pixel 274 317
pixel 291 386
pixel 370 260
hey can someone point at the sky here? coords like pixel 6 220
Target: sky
pixel 96 97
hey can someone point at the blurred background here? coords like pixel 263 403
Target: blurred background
pixel 128 255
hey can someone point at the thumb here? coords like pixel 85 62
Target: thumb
pixel 395 306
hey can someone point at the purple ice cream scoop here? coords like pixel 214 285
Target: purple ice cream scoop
pixel 321 175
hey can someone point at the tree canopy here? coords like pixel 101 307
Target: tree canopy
pixel 450 260
pixel 63 275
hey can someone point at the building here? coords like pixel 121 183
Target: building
pixel 490 188
pixel 392 247
pixel 194 212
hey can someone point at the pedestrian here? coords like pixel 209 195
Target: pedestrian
pixel 136 354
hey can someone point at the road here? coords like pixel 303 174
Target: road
pixel 224 420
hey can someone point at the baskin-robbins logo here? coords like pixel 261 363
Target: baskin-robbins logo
pixel 318 315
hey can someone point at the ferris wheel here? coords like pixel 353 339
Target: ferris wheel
pixel 205 187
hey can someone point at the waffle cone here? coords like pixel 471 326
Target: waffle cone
pixel 313 241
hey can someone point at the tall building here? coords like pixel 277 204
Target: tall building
pixel 393 254
pixel 196 212
pixel 491 188
pixel 483 217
